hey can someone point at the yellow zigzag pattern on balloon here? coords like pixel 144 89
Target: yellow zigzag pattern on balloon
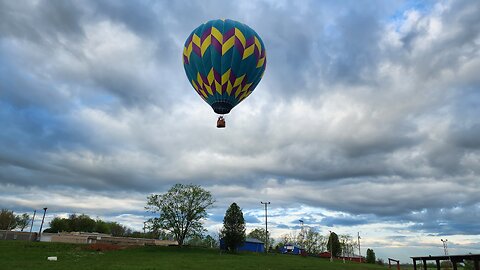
pixel 204 88
pixel 215 33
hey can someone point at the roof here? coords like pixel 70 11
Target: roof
pixel 253 240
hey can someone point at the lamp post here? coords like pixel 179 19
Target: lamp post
pixel 331 247
pixel 266 226
pixel 301 236
pixel 359 250
pixel 445 246
pixel 43 219
pixel 31 226
pixel 445 249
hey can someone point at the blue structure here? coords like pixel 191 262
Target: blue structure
pixel 291 249
pixel 250 244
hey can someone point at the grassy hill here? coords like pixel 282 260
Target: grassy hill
pixel 28 255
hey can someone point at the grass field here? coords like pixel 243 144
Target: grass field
pixel 28 255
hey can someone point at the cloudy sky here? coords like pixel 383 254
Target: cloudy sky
pixel 366 120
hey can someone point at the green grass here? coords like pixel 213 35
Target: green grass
pixel 28 255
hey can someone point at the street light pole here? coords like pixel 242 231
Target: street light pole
pixel 266 226
pixel 331 247
pixel 445 246
pixel 359 250
pixel 31 226
pixel 43 219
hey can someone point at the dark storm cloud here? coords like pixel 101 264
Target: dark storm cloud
pixel 460 220
pixel 344 221
pixel 39 22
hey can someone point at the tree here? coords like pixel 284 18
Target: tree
pixel 59 225
pixel 259 233
pixel 310 241
pixel 233 231
pixel 82 223
pixel 370 256
pixel 22 221
pixel 468 265
pixel 210 242
pixel 7 220
pixel 347 244
pixel 180 210
pixel 102 226
pixel 117 229
pixel 333 245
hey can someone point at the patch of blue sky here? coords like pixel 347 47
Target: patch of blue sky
pixel 423 7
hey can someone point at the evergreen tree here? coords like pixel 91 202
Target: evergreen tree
pixel 333 245
pixel 370 256
pixel 233 231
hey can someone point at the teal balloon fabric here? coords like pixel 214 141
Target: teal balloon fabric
pixel 224 61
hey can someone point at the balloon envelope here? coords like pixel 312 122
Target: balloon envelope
pixel 224 61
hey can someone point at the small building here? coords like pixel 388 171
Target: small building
pixel 325 254
pixel 291 249
pixel 250 244
pixel 354 258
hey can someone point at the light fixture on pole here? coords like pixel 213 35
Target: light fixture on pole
pixel 266 226
pixel 43 219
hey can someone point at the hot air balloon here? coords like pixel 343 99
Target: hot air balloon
pixel 224 61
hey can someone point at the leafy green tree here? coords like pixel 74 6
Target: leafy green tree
pixel 22 221
pixel 58 224
pixel 102 227
pixel 333 245
pixel 180 210
pixel 468 265
pixel 117 229
pixel 233 230
pixel 8 220
pixel 370 256
pixel 210 242
pixel 259 233
pixel 81 223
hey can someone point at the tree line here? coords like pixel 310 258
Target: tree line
pixel 84 223
pixel 9 221
pixel 314 242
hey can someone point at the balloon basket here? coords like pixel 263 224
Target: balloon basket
pixel 221 122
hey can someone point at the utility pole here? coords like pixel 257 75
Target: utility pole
pixel 43 219
pixel 359 250
pixel 31 226
pixel 266 226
